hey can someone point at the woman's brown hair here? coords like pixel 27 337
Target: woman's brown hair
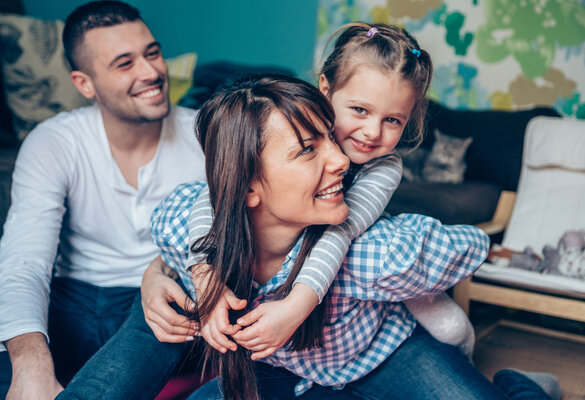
pixel 231 130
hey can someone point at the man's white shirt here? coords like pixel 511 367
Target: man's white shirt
pixel 74 215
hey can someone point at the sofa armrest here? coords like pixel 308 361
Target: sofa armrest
pixel 502 215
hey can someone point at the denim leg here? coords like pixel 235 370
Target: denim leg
pixel 421 368
pixel 5 374
pixel 133 364
pixel 518 386
pixel 273 384
pixel 82 317
pixel 424 368
pixel 210 391
pixel 279 383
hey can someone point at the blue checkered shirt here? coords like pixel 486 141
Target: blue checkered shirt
pixel 397 258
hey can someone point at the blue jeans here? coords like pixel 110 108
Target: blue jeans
pixel 421 368
pixel 133 364
pixel 82 317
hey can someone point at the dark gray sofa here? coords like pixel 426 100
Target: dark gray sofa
pixel 493 164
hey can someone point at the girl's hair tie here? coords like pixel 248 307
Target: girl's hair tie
pixel 416 52
pixel 372 32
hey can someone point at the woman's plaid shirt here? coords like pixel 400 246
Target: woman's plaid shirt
pixel 398 258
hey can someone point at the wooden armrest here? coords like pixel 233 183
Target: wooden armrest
pixel 502 215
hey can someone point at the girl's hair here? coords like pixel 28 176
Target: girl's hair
pixel 231 128
pixel 390 49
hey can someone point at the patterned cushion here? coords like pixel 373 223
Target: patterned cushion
pixel 36 76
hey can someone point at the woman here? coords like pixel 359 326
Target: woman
pixel 274 177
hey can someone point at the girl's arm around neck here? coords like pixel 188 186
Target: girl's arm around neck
pixel 367 198
pixel 169 228
pixel 200 220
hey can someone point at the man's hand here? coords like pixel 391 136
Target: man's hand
pixel 270 325
pixel 217 324
pixel 33 375
pixel 158 290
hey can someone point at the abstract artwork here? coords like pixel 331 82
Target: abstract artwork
pixel 488 54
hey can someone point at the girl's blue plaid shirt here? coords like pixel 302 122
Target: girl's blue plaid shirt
pixel 398 258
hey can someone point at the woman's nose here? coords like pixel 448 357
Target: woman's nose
pixel 337 162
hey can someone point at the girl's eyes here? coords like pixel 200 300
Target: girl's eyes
pixel 362 111
pixel 394 121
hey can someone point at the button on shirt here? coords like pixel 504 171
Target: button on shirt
pixel 397 258
pixel 73 210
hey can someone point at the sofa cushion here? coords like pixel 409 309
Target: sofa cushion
pixel 552 188
pixel 555 142
pixel 181 70
pixel 36 76
pixel 463 203
pixel 7 159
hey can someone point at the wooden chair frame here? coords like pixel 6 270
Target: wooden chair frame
pixel 492 292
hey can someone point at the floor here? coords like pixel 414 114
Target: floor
pixel 532 343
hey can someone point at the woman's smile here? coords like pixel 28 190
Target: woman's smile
pixel 331 192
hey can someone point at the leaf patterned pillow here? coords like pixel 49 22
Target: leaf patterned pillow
pixel 36 75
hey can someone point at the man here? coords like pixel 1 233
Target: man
pixel 76 241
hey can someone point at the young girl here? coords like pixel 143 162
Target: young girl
pixel 376 79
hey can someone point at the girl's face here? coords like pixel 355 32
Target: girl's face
pixel 371 111
pixel 300 187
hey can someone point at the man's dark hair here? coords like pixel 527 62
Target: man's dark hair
pixel 95 14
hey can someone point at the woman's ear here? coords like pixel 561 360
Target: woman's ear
pixel 253 196
pixel 83 83
pixel 324 85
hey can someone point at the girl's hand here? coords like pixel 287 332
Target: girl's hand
pixel 270 325
pixel 158 290
pixel 217 324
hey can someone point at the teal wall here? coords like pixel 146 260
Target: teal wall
pixel 271 32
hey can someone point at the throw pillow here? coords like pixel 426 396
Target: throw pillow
pixel 36 75
pixel 181 69
pixel 446 161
